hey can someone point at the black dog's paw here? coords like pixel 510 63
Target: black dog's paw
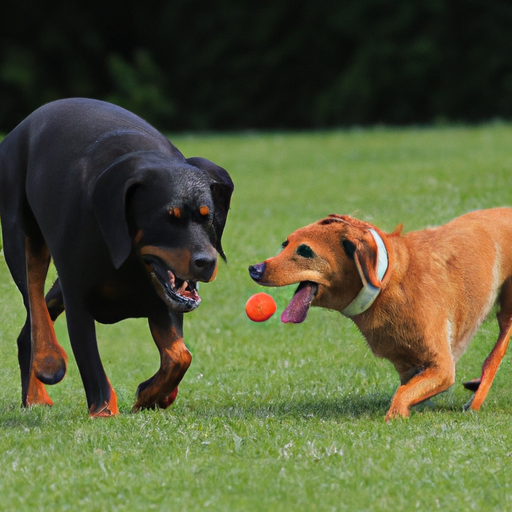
pixel 151 399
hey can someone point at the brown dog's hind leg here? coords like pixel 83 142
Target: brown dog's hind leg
pixel 493 361
pixel 49 359
pixel 424 385
pixel 472 385
pixel 161 389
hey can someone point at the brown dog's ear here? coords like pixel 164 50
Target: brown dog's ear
pixel 364 251
pixel 221 188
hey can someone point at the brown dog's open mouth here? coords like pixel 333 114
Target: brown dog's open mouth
pixel 297 310
pixel 179 295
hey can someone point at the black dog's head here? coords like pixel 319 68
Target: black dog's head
pixel 171 213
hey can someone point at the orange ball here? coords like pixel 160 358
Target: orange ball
pixel 260 307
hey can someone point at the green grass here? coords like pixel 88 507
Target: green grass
pixel 274 417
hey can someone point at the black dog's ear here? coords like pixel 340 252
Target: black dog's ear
pixel 221 189
pixel 109 205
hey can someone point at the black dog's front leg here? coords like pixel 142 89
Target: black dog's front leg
pixel 161 389
pixel 101 397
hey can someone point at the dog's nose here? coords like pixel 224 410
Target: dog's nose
pixel 205 266
pixel 257 271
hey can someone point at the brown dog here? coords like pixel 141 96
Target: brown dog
pixel 418 298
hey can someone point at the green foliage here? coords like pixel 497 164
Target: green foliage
pixel 273 416
pixel 195 64
pixel 139 87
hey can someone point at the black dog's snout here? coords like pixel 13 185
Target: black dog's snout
pixel 257 271
pixel 204 265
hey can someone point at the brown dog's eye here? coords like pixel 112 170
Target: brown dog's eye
pixel 305 251
pixel 284 244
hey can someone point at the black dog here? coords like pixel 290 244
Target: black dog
pixel 131 226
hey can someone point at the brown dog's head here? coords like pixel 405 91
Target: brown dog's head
pixel 332 259
pixel 170 214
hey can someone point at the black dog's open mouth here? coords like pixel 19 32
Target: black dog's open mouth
pixel 179 295
pixel 297 310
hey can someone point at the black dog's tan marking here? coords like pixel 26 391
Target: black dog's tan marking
pixel 132 226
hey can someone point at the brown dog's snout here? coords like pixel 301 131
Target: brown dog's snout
pixel 257 271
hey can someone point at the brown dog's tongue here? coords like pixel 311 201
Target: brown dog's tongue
pixel 297 310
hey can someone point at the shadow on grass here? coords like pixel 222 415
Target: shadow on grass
pixel 349 406
pixel 16 416
pixel 372 405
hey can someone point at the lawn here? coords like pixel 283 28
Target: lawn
pixel 274 417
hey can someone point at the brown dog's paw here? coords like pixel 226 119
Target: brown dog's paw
pixel 472 385
pixel 397 412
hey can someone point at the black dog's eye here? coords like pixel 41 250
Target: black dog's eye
pixel 305 251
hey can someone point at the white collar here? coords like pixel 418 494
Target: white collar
pixel 369 293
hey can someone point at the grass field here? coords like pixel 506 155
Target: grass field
pixel 274 417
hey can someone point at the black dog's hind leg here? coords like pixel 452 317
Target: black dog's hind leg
pixel 33 390
pixel 161 389
pixel 28 263
pixel 48 357
pixel 101 397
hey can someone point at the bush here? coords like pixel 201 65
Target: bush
pixel 193 64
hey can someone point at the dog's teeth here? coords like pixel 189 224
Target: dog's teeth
pixel 172 279
pixel 183 287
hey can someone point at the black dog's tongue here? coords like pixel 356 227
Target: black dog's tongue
pixel 297 310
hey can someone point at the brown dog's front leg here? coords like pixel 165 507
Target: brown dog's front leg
pixel 424 385
pixel 162 388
